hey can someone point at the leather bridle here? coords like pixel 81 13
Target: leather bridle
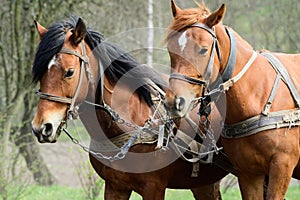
pixel 209 67
pixel 72 112
pixel 228 70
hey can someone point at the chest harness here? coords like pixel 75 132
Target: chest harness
pixel 266 120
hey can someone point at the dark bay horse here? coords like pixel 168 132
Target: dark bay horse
pixel 77 68
pixel 261 130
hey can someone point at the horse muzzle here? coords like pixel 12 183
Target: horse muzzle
pixel 46 133
pixel 176 106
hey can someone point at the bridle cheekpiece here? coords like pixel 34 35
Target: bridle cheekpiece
pixel 72 112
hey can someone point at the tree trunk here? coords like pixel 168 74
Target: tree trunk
pixel 150 33
pixel 29 149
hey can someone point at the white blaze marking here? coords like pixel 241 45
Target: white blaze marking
pixel 182 41
pixel 52 62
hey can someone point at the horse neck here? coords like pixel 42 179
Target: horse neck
pixel 244 99
pixel 122 100
pixel 243 48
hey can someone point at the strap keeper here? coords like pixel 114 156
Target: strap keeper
pixel 267 108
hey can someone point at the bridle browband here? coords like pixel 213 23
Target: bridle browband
pixel 72 112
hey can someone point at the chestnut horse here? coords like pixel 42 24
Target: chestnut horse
pixel 261 130
pixel 77 68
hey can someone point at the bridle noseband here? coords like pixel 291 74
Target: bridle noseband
pixel 72 112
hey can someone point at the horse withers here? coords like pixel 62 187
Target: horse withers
pixel 261 129
pixel 82 75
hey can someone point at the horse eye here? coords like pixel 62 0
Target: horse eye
pixel 69 73
pixel 203 51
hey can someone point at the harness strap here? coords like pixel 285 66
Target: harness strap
pixel 253 125
pixel 279 68
pixel 226 85
pixel 268 105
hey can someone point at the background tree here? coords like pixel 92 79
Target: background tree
pixel 18 43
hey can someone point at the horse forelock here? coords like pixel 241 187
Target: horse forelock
pixel 50 45
pixel 186 18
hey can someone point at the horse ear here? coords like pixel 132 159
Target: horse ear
pixel 216 17
pixel 175 8
pixel 78 33
pixel 40 29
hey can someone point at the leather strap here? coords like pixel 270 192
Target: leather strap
pixel 279 68
pixel 253 125
pixel 187 79
pixel 268 105
pixel 228 70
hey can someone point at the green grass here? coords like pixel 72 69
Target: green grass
pixel 67 193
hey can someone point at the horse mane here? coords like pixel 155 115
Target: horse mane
pixel 115 62
pixel 185 18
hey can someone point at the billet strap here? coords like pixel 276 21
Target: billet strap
pixel 222 161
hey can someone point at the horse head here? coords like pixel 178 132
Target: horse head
pixel 61 67
pixel 195 55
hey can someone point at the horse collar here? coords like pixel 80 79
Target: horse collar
pixel 228 70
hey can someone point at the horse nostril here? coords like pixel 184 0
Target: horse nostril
pixel 179 103
pixel 48 129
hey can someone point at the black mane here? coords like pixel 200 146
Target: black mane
pixel 115 62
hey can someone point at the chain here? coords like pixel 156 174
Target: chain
pixel 118 156
pixel 164 119
pixel 116 117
